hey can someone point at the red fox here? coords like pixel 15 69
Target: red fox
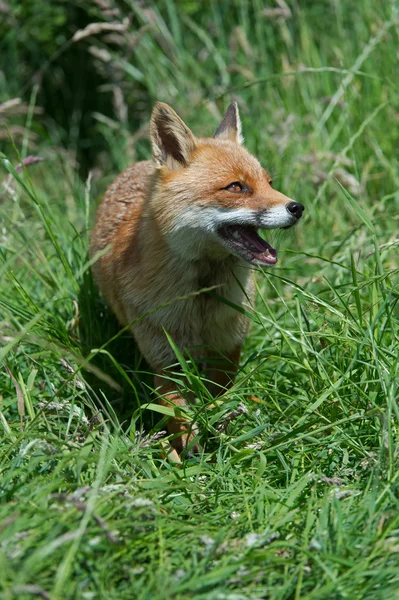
pixel 183 222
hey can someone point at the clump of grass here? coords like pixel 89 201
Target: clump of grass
pixel 295 492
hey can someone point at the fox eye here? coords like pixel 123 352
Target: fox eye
pixel 236 187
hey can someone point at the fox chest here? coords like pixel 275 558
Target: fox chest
pixel 196 319
pixel 206 321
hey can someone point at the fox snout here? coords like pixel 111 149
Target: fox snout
pixel 277 210
pixel 237 229
pixel 283 213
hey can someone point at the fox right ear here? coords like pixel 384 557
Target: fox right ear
pixel 230 127
pixel 172 141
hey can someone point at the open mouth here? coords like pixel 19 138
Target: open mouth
pixel 244 241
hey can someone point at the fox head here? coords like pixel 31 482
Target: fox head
pixel 211 195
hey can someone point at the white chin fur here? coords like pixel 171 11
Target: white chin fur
pixel 195 228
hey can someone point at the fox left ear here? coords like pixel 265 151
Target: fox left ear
pixel 172 141
pixel 230 127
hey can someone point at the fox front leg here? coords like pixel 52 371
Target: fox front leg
pixel 221 371
pixel 180 427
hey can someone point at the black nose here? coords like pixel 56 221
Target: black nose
pixel 296 209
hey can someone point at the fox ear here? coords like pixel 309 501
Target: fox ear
pixel 230 127
pixel 172 141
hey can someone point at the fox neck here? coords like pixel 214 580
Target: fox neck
pixel 204 264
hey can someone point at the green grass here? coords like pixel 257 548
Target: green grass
pixel 296 493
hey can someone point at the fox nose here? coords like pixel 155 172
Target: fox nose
pixel 296 209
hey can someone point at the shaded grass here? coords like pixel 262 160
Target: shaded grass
pixel 295 494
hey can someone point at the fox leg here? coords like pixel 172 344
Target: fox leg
pixel 222 376
pixel 184 430
pixel 221 379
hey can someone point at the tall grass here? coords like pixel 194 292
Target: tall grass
pixel 295 493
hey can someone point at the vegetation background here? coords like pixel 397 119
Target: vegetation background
pixel 296 492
